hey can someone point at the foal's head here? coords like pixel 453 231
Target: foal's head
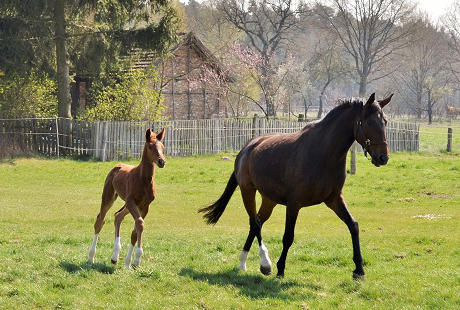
pixel 153 149
pixel 370 130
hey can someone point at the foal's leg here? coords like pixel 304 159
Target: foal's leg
pixel 263 215
pixel 288 238
pixel 340 208
pixel 129 255
pixel 119 216
pixel 108 198
pixel 139 226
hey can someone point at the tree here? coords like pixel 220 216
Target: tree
pixel 267 25
pixel 131 95
pixel 326 65
pixel 28 30
pixel 423 73
pixel 370 33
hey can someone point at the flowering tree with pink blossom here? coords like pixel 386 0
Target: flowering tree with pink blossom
pixel 241 84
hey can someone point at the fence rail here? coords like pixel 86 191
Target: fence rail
pixel 118 140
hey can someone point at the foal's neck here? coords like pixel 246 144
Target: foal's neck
pixel 147 168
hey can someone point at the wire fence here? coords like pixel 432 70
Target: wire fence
pixel 57 137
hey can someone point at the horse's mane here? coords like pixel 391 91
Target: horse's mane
pixel 341 105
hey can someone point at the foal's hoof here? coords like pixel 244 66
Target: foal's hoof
pixel 358 275
pixel 266 270
pixel 114 262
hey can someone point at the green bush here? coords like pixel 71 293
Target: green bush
pixel 132 96
pixel 32 96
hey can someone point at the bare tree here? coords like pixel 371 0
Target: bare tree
pixel 452 23
pixel 370 32
pixel 424 67
pixel 267 24
pixel 326 65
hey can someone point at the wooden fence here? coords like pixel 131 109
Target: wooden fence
pixel 119 140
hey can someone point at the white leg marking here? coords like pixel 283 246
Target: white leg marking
pixel 264 258
pixel 129 256
pixel 92 250
pixel 116 250
pixel 137 256
pixel 243 259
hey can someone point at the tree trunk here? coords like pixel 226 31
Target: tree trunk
pixel 419 103
pixel 362 86
pixel 64 99
pixel 320 110
pixel 429 108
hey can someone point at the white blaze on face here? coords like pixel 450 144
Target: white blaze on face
pixel 243 258
pixel 264 258
pixel 92 250
pixel 129 256
pixel 116 249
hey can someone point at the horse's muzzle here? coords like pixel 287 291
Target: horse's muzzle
pixel 380 160
pixel 161 163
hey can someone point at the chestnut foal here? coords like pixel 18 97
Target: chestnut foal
pixel 135 185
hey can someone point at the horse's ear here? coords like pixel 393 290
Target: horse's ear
pixel 385 101
pixel 370 100
pixel 148 133
pixel 161 135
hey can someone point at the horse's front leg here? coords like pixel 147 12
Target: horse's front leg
pixel 291 218
pixel 340 208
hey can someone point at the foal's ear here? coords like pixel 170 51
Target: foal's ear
pixel 148 134
pixel 370 100
pixel 161 135
pixel 385 101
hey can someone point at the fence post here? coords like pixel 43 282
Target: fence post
pixel 104 142
pixel 57 137
pixel 449 139
pixel 353 158
pixel 254 124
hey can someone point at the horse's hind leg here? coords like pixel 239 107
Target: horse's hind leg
pixel 119 216
pixel 255 225
pixel 108 198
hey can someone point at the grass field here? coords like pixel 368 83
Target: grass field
pixel 409 215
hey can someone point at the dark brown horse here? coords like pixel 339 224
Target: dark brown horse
pixel 136 186
pixel 303 169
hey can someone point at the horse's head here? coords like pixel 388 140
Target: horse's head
pixel 153 149
pixel 370 130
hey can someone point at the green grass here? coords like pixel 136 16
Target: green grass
pixel 433 138
pixel 48 207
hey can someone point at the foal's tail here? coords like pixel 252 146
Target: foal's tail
pixel 214 211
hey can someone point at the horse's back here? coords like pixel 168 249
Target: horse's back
pixel 118 177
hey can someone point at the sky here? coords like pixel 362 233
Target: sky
pixel 434 8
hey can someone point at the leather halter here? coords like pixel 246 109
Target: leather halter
pixel 366 141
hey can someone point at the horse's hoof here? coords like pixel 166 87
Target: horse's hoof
pixel 358 275
pixel 266 270
pixel 280 275
pixel 114 262
pixel 134 266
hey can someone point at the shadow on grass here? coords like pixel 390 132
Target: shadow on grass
pixel 76 268
pixel 254 286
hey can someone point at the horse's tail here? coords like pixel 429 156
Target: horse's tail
pixel 213 212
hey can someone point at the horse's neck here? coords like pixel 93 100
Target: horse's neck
pixel 338 132
pixel 147 168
